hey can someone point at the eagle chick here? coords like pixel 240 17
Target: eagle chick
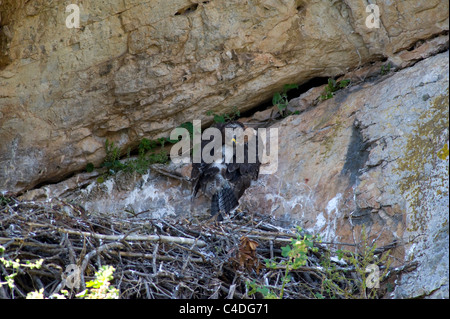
pixel 225 179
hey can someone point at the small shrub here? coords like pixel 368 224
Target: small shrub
pixel 351 281
pixel 112 159
pixel 100 287
pixel 188 126
pixel 338 274
pixel 294 257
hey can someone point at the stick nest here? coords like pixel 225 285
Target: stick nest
pixel 153 258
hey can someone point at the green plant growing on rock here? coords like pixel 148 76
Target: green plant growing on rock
pixel 112 160
pixel 386 68
pixel 149 152
pixel 189 127
pixel 280 100
pixel 332 87
pixel 225 117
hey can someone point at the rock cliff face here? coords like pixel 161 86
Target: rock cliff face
pixel 140 68
pixel 373 156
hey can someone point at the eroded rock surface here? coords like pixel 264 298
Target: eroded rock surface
pixel 376 155
pixel 140 68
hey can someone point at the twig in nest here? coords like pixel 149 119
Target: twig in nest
pixel 152 256
pixel 95 252
pixel 202 263
pixel 403 268
pixel 160 238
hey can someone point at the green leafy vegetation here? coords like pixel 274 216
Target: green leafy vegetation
pixel 423 148
pixel 332 87
pixel 386 68
pixel 99 288
pixel 294 257
pixel 343 274
pixel 337 281
pixel 90 167
pixel 149 152
pixel 4 200
pixel 112 160
pixel 280 100
pixel 225 117
pixel 189 127
pixel 16 266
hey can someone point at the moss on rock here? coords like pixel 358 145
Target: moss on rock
pixel 421 155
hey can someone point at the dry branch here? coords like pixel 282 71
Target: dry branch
pixel 153 256
pixel 163 239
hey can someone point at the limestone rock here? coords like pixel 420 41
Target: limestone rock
pixel 152 195
pixel 139 68
pixel 375 155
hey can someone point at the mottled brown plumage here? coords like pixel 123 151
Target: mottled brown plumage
pixel 225 182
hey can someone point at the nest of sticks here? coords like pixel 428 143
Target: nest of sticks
pixel 163 258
